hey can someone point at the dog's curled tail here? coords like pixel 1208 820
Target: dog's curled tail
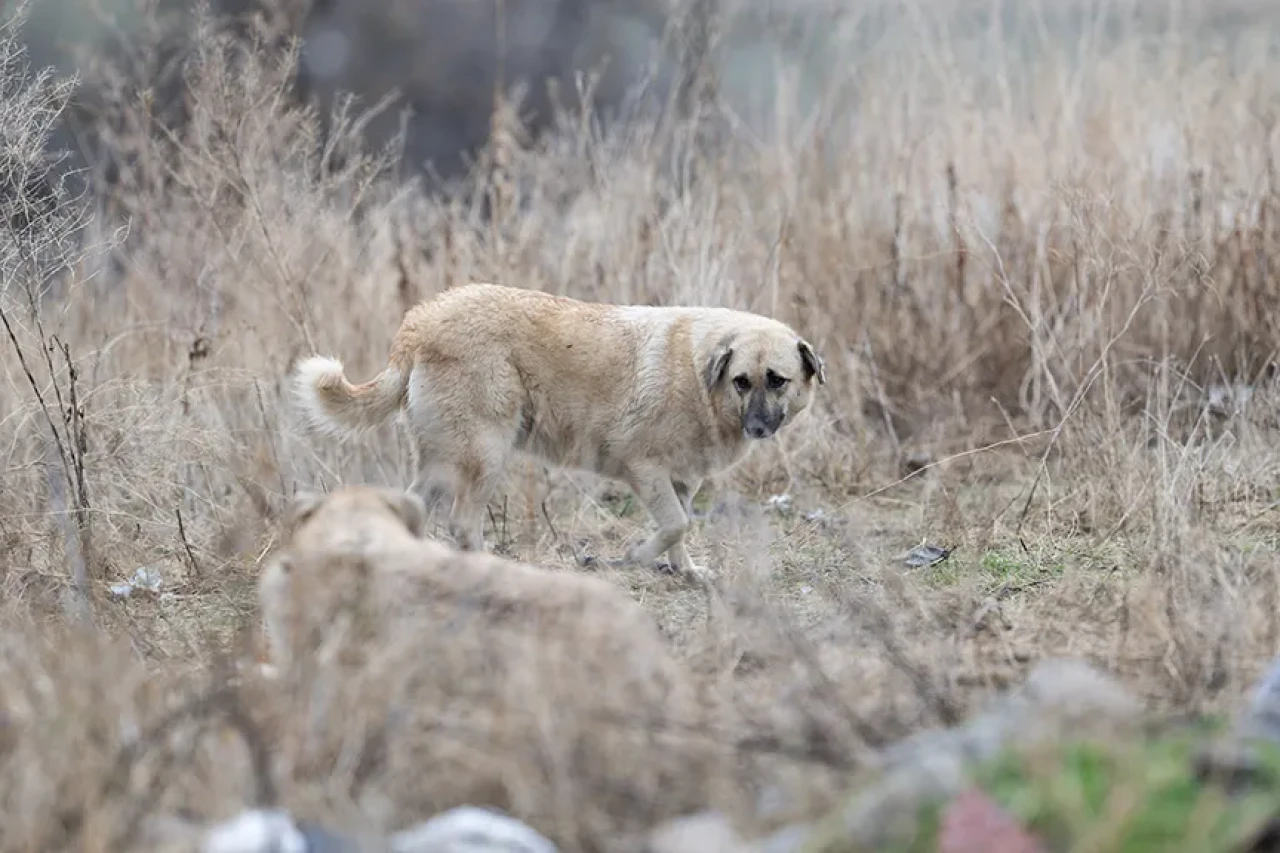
pixel 329 401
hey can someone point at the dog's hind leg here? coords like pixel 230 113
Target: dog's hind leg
pixel 430 483
pixel 466 419
pixel 430 458
pixel 480 468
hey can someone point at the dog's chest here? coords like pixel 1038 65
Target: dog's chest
pixel 698 460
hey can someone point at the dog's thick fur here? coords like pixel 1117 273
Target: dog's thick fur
pixel 366 541
pixel 659 398
pixel 489 680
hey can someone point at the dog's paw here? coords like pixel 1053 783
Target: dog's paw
pixel 700 574
pixel 693 572
pixel 582 556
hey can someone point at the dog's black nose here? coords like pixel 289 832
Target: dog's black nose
pixel 757 431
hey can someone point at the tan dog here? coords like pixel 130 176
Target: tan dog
pixel 659 398
pixel 486 680
pixel 365 541
pixel 359 551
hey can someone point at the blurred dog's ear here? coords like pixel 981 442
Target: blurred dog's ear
pixel 409 508
pixel 301 507
pixel 813 365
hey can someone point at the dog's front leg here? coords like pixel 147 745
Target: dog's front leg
pixel 667 506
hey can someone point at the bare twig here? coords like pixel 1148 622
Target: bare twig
pixel 186 545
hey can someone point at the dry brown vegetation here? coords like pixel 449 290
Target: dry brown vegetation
pixel 1026 256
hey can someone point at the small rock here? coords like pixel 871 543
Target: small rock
pixel 1227 400
pixel 256 831
pixel 791 839
pixel 1060 697
pixel 1262 715
pixel 917 460
pixel 471 830
pixel 926 555
pixel 1231 762
pixel 144 578
pixel 780 503
pixel 320 840
pixel 1075 694
pixel 1233 758
pixel 706 832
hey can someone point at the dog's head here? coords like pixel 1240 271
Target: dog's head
pixel 351 515
pixel 763 377
pixel 327 541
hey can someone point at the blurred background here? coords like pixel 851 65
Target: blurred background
pixel 436 62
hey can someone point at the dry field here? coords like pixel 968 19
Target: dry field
pixel 1039 268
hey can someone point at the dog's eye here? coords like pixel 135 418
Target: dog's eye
pixel 742 383
pixel 775 381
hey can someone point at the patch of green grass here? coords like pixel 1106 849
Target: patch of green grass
pixel 1139 797
pixel 621 504
pixel 1262 543
pixel 997 569
pixel 1011 569
pixel 925 839
pixel 704 500
pixel 1130 798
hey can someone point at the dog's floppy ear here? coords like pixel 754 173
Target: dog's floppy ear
pixel 410 508
pixel 813 365
pixel 718 364
pixel 301 507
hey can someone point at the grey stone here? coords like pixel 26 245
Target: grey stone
pixel 705 832
pixel 917 460
pixel 1060 697
pixel 275 831
pixel 926 555
pixel 790 839
pixel 1261 717
pixel 321 840
pixel 1227 400
pixel 256 831
pixel 1233 758
pixel 471 830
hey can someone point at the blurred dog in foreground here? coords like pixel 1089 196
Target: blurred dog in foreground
pixel 353 563
pixel 481 677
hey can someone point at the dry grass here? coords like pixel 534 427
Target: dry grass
pixel 1026 255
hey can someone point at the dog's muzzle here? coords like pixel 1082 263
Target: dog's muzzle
pixel 759 420
pixel 760 425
